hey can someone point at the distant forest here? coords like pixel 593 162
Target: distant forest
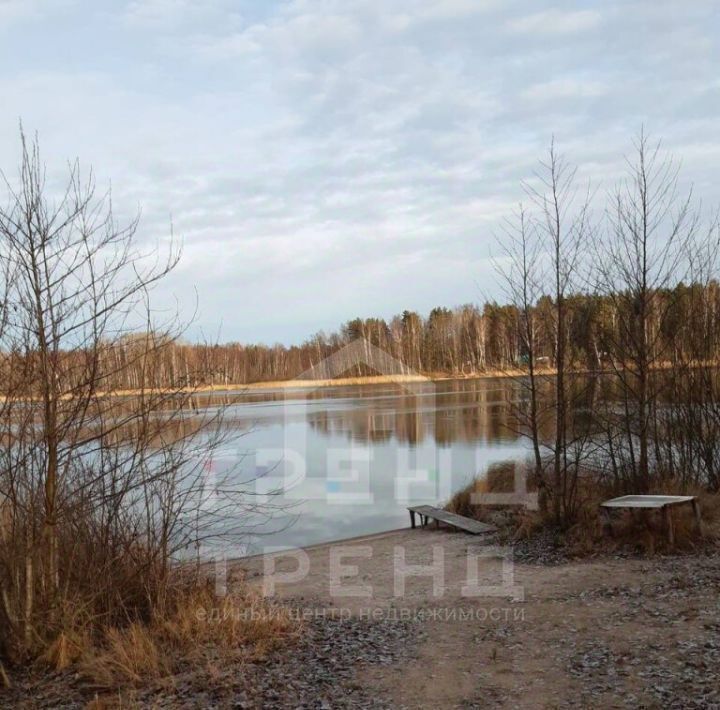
pixel 684 324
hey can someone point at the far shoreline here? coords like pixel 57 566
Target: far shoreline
pixel 341 382
pixel 280 385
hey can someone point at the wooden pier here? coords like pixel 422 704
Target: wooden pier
pixel 460 522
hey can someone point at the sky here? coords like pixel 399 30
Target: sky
pixel 327 159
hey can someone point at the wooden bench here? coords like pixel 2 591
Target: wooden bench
pixel 661 503
pixel 427 512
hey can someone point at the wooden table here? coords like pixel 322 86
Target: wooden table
pixel 653 502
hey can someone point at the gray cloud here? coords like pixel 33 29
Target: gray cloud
pixel 553 22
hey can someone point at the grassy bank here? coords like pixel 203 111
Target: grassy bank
pixel 639 531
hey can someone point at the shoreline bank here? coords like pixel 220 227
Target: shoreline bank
pixel 339 382
pixel 279 385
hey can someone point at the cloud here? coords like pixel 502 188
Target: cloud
pixel 156 13
pixel 555 22
pixel 448 10
pixel 164 16
pixel 565 89
pixel 14 11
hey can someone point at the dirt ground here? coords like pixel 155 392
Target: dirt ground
pixel 609 632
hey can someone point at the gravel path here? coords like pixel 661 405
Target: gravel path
pixel 677 669
pixel 318 673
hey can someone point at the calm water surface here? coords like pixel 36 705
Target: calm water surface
pixel 347 461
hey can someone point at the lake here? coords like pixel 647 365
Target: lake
pixel 339 462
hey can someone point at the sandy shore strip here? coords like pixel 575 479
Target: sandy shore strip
pixel 604 632
pixel 337 382
pixel 382 380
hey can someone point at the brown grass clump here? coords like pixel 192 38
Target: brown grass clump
pixel 128 655
pixel 499 478
pixel 196 624
pixel 460 502
pixel 528 523
pixel 237 620
pixel 67 648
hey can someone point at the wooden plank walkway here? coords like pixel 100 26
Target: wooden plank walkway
pixel 443 516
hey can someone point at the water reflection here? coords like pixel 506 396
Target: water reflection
pixel 349 460
pixel 447 411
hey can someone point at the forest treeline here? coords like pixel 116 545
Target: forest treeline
pixel 461 341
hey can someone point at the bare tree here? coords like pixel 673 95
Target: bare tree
pixel 520 271
pixel 98 493
pixel 643 254
pixel 563 228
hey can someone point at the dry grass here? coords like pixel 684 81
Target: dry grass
pixel 195 625
pixel 65 650
pixel 499 478
pixel 243 619
pixel 120 616
pixel 198 624
pixel 128 655
pixel 4 677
